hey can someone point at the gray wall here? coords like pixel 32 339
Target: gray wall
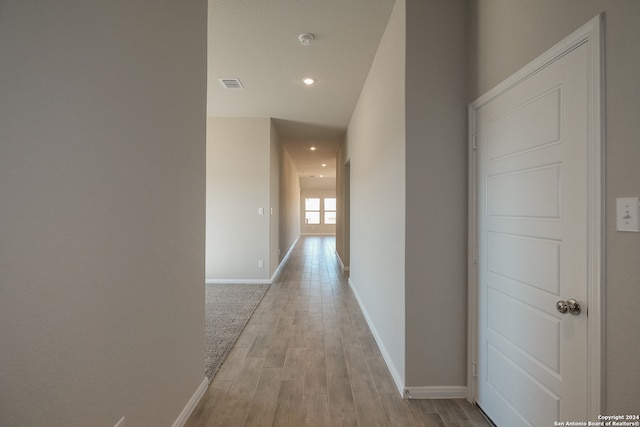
pixel 289 203
pixel 375 146
pixel 407 149
pixel 274 199
pixel 497 37
pixel 239 183
pixel 102 186
pixel 506 35
pixel 436 207
pixel 248 169
pixel 343 198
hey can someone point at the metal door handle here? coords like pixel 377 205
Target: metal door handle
pixel 570 305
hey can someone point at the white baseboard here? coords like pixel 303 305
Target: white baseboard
pixel 284 260
pixel 431 392
pixel 255 281
pixel 344 269
pixel 317 234
pixel 238 281
pixel 397 379
pixel 442 392
pixel 191 404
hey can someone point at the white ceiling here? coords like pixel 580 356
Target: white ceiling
pixel 256 41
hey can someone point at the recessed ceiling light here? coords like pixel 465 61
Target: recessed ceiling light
pixel 312 148
pixel 324 165
pixel 321 176
pixel 308 81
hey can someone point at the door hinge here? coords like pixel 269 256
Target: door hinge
pixel 475 256
pixel 474 142
pixel 474 369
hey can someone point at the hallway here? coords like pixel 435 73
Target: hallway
pixel 308 358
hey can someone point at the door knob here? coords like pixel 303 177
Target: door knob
pixel 570 305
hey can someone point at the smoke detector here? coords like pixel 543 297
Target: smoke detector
pixel 305 39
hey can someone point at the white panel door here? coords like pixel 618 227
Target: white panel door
pixel 532 246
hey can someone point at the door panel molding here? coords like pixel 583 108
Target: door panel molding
pixel 591 34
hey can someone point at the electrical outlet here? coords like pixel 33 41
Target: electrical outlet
pixel 261 264
pixel 628 214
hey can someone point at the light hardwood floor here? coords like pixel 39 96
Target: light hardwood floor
pixel 308 358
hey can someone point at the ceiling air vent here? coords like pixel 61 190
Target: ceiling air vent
pixel 231 83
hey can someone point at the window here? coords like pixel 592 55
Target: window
pixel 330 210
pixel 320 210
pixel 312 210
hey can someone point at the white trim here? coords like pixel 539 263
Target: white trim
pixel 472 268
pixel 593 34
pixel 255 281
pixel 343 268
pixel 438 392
pixel 238 281
pixel 397 378
pixel 284 260
pixel 596 218
pixel 191 404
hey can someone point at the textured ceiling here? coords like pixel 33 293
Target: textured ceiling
pixel 256 41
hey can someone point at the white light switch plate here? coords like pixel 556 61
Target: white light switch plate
pixel 627 214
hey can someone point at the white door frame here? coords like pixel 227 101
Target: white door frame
pixel 592 34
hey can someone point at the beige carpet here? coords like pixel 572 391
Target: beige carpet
pixel 228 309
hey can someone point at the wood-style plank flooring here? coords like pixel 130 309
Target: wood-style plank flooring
pixel 308 358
